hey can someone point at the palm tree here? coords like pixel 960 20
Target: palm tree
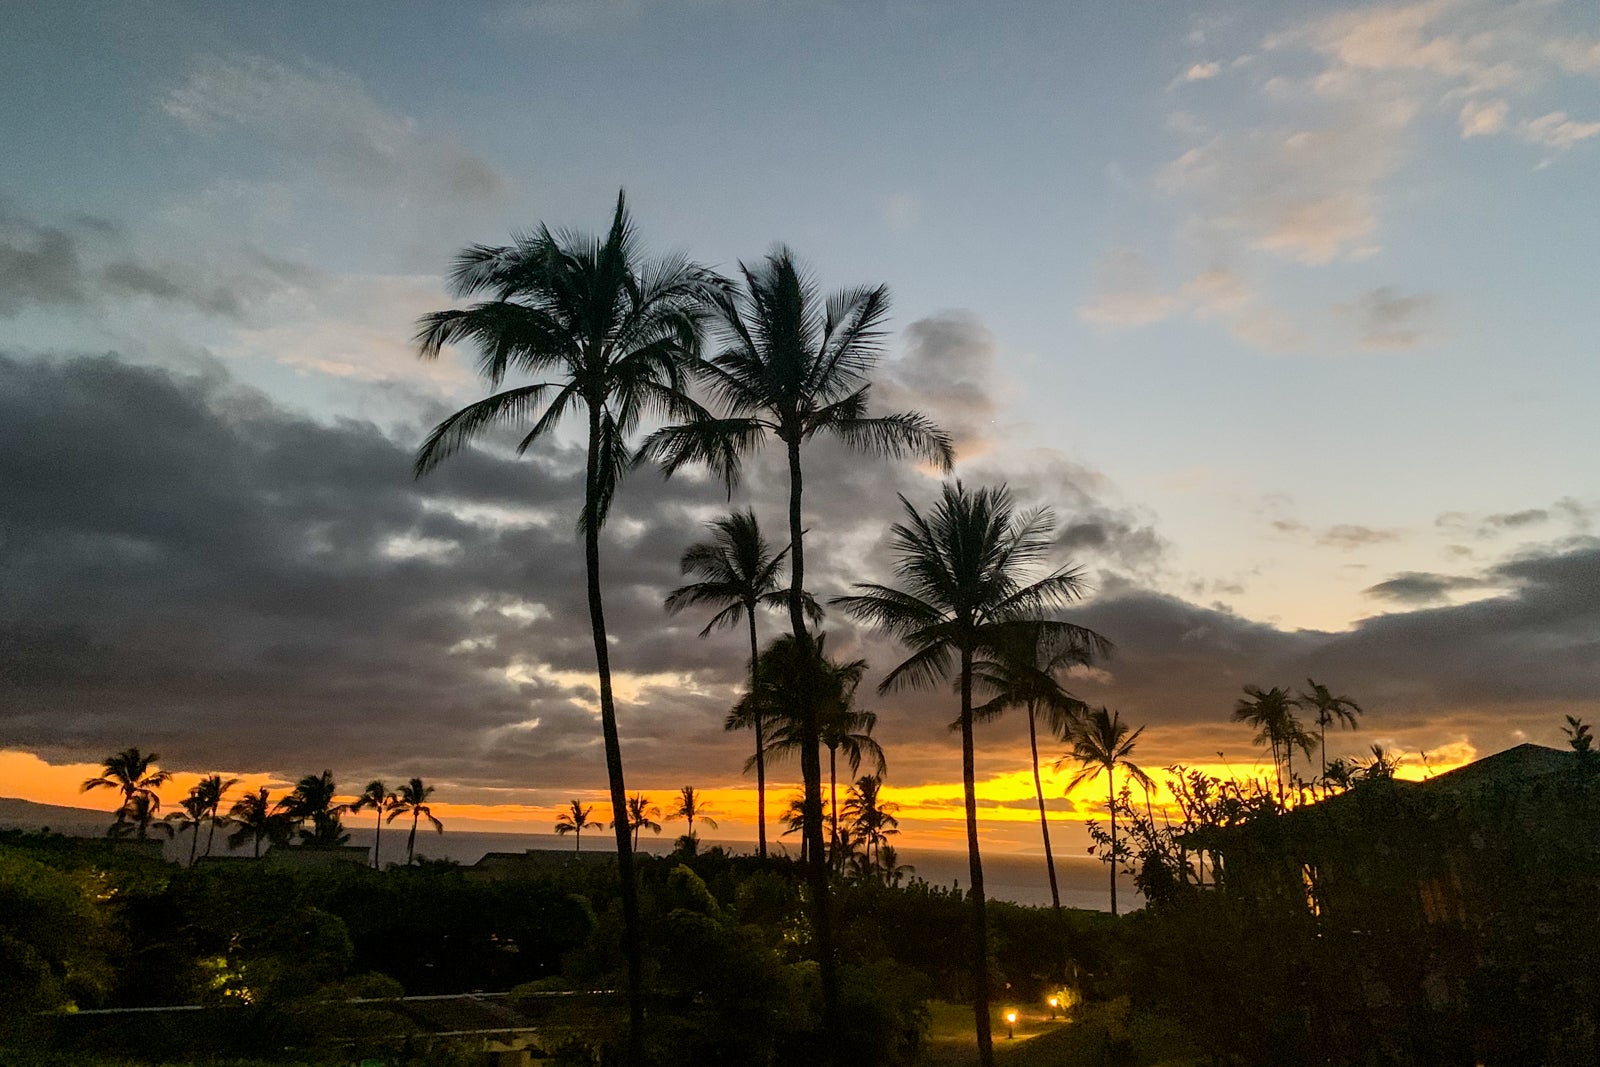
pixel 191 813
pixel 641 816
pixel 849 730
pixel 311 801
pixel 212 789
pixel 871 818
pixel 1271 712
pixel 133 774
pixel 1329 710
pixel 1380 767
pixel 1100 745
pixel 138 817
pixel 378 797
pixel 963 567
pixel 794 821
pixel 575 820
pixel 794 366
pixel 257 817
pixel 738 572
pixel 1023 675
pixel 604 335
pixel 691 806
pixel 413 798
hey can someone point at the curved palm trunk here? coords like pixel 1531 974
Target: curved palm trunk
pixel 816 859
pixel 194 841
pixel 211 837
pixel 1044 823
pixel 980 920
pixel 761 743
pixel 1111 803
pixel 377 843
pixel 613 744
pixel 411 841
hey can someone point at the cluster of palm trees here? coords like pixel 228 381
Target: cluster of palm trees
pixel 1272 713
pixel 689 805
pixel 568 325
pixel 308 813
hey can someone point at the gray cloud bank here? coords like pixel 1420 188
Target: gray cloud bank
pixel 189 567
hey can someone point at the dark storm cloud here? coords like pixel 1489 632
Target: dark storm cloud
pixel 39 265
pixel 947 373
pixel 1420 587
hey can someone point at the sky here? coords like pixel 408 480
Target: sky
pixel 1287 310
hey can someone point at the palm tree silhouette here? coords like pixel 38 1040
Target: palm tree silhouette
pixel 1023 675
pixel 615 337
pixel 871 819
pixel 413 798
pixel 1329 710
pixel 641 816
pixel 1100 745
pixel 849 729
pixel 575 820
pixel 257 817
pixel 212 789
pixel 794 366
pixel 138 817
pixel 191 813
pixel 1271 712
pixel 691 806
pixel 378 797
pixel 133 774
pixel 963 568
pixel 311 802
pixel 738 572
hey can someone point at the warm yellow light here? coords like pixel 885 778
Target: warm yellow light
pixel 1011 1017
pixel 1055 1002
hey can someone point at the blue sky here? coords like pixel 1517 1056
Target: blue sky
pixel 1303 294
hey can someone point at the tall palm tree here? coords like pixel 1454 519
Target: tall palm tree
pixel 794 365
pixel 1329 710
pixel 691 806
pixel 738 572
pixel 849 730
pixel 133 774
pixel 575 820
pixel 190 815
pixel 311 802
pixel 1271 712
pixel 257 817
pixel 378 797
pixel 212 789
pixel 138 817
pixel 1101 745
pixel 1023 675
pixel 605 336
pixel 964 569
pixel 642 815
pixel 412 798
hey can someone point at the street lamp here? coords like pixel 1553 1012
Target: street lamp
pixel 1055 1004
pixel 1011 1024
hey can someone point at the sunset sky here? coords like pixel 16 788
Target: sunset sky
pixel 1289 310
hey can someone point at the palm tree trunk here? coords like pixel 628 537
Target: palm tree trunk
pixel 613 744
pixel 1044 823
pixel 1111 802
pixel 258 844
pixel 578 835
pixel 761 755
pixel 1322 730
pixel 211 838
pixel 194 842
pixel 377 843
pixel 833 807
pixel 411 841
pixel 980 919
pixel 811 765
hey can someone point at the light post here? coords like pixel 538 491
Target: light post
pixel 1055 1004
pixel 1011 1024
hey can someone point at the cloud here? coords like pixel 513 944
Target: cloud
pixel 1202 72
pixel 329 118
pixel 1348 536
pixel 949 372
pixel 1388 320
pixel 1557 131
pixel 1419 587
pixel 1126 293
pixel 89 263
pixel 1482 118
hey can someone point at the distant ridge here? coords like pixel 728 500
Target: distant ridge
pixel 26 815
